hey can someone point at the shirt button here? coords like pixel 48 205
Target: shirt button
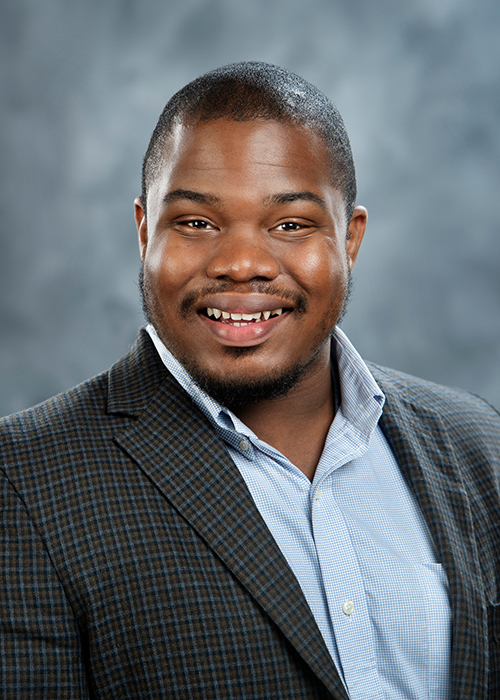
pixel 317 495
pixel 244 445
pixel 348 607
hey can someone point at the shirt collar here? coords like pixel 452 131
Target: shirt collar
pixel 361 398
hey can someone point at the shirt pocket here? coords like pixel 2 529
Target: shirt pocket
pixel 494 645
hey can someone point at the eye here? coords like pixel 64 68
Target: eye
pixel 289 226
pixel 194 228
pixel 199 224
pixel 292 227
pixel 190 227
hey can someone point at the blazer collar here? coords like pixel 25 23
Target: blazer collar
pixel 426 457
pixel 173 443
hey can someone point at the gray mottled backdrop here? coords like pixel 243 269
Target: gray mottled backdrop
pixel 82 85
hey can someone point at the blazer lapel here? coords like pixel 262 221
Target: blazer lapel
pixel 175 445
pixel 426 457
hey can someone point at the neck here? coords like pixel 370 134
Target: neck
pixel 297 424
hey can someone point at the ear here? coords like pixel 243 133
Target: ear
pixel 142 228
pixel 355 233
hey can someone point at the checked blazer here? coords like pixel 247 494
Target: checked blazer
pixel 134 563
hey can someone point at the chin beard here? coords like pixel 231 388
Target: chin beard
pixel 234 393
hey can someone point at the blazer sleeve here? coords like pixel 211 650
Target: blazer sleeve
pixel 41 652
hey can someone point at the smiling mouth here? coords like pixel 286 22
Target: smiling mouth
pixel 241 319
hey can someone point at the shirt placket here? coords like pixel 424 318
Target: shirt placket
pixel 345 595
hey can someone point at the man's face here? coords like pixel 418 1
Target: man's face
pixel 244 251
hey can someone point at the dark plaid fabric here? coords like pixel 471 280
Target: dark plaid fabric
pixel 135 564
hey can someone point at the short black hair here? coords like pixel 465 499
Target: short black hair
pixel 254 90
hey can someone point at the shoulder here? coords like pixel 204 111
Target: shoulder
pixel 464 414
pixel 53 443
pixel 417 389
pixel 59 413
pixel 81 416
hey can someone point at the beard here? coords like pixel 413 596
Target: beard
pixel 238 391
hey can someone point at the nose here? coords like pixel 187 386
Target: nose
pixel 243 254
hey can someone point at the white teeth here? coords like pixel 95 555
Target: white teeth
pixel 258 316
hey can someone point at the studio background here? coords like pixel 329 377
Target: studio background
pixel 82 86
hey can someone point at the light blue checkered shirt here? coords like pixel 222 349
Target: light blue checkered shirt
pixel 354 538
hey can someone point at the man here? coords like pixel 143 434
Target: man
pixel 240 508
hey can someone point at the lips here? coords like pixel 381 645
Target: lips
pixel 243 320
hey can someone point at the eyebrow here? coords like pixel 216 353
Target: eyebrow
pixel 288 197
pixel 190 195
pixel 275 199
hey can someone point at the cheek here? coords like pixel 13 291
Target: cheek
pixel 171 267
pixel 321 270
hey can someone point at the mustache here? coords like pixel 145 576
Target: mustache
pixel 192 299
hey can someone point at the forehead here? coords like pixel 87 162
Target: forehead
pixel 272 153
